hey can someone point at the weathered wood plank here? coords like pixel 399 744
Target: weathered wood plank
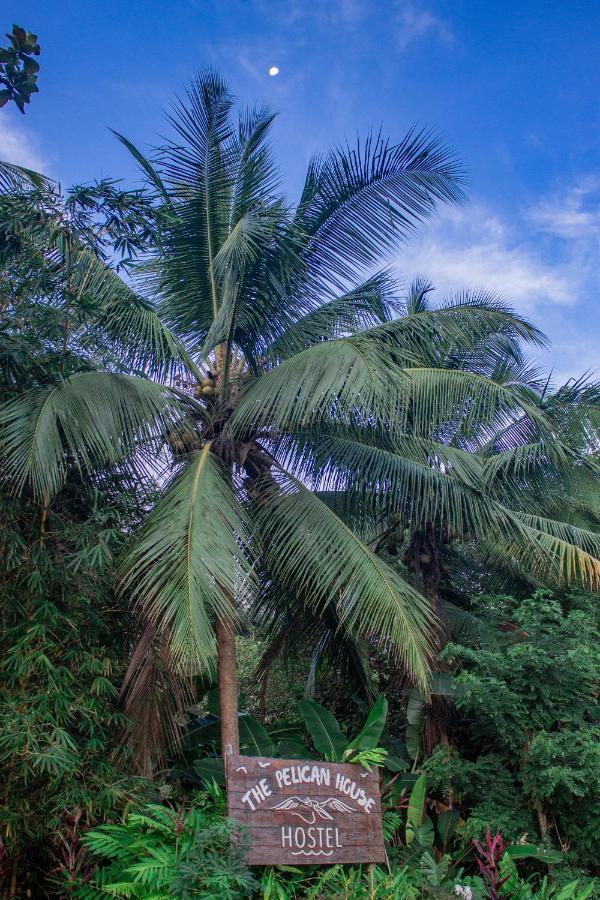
pixel 305 812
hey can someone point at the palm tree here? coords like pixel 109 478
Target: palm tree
pixel 513 501
pixel 298 400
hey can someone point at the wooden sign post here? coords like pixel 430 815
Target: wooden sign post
pixel 302 812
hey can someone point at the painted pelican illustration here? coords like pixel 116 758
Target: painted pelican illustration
pixel 314 808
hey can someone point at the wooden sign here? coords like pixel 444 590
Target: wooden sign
pixel 302 812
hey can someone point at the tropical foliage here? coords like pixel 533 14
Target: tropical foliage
pixel 220 412
pixel 18 69
pixel 529 756
pixel 160 852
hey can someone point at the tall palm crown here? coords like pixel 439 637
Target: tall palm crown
pixel 306 406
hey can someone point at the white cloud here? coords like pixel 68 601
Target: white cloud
pixel 18 146
pixel 416 22
pixel 410 19
pixel 473 247
pixel 543 261
pixel 322 13
pixel 570 214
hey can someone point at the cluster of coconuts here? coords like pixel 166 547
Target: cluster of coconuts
pixel 182 442
pixel 425 559
pixel 206 387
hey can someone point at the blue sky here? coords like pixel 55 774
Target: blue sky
pixel 512 85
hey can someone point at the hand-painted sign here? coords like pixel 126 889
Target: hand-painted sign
pixel 300 812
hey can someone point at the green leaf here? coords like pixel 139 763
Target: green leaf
pixel 435 872
pixel 282 730
pixel 530 851
pixel 99 418
pixel 375 756
pixel 324 730
pixel 312 551
pixel 413 740
pixel 571 891
pixel 415 707
pixel 213 703
pixel 416 808
pixel 368 737
pixel 424 834
pixel 211 768
pixel 254 737
pixel 287 749
pixel 446 824
pixel 188 563
pixel 395 763
pixel 415 713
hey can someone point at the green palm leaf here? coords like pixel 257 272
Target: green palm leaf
pixel 358 202
pixel 188 564
pixel 422 479
pixel 140 338
pixel 362 307
pixel 568 554
pixel 19 178
pixel 91 419
pixel 311 549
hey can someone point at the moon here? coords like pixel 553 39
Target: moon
pixel 273 71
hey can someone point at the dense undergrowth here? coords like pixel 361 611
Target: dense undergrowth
pixel 520 757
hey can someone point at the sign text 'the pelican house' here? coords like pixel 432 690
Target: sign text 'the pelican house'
pixel 305 812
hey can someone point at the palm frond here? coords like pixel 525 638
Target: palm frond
pixel 19 178
pixel 155 697
pixel 416 299
pixel 358 379
pixel 524 459
pixel 188 565
pixel 240 315
pixel 311 549
pixel 357 203
pixel 292 626
pixel 457 403
pixel 367 305
pixel 255 178
pixel 86 420
pixel 421 480
pixel 196 170
pixel 140 338
pixel 145 165
pixel 337 378
pixel 549 550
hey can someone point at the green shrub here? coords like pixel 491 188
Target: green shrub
pixel 63 646
pixel 160 853
pixel 527 750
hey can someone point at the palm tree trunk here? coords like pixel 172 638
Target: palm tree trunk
pixel 228 686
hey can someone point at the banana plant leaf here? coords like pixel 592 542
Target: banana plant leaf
pixel 368 738
pixel 287 749
pixel 254 738
pixel 324 729
pixel 530 851
pixel 416 808
pixel 211 768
